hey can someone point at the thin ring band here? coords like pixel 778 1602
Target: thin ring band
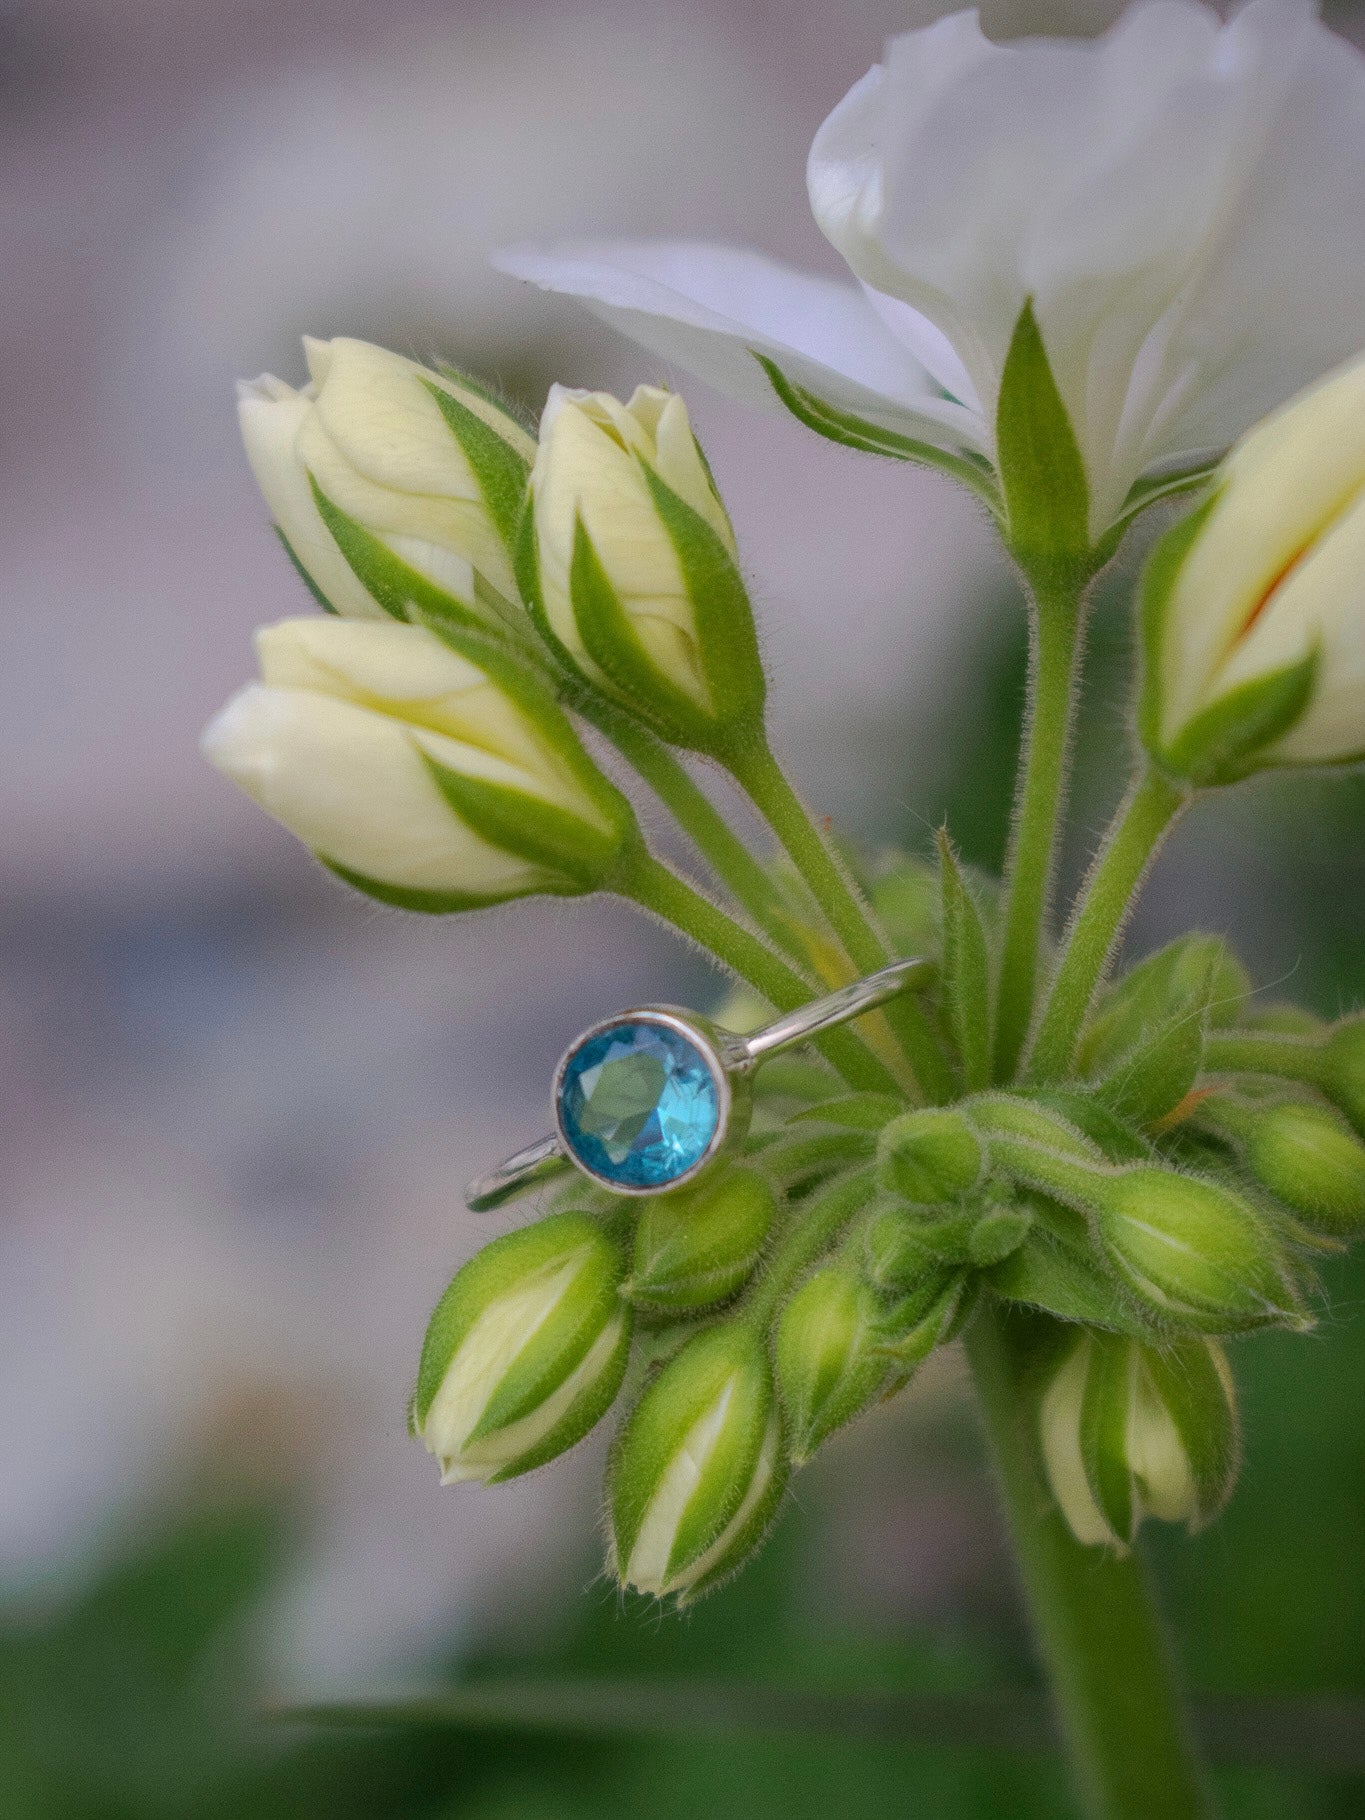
pixel 725 1055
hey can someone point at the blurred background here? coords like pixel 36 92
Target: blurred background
pixel 237 1105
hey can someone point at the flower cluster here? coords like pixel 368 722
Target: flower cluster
pixel 1130 1172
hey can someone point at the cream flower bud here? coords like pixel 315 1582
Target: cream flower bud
pixel 433 777
pixel 698 1469
pixel 628 561
pixel 1128 1431
pixel 525 1351
pixel 396 488
pixel 1254 610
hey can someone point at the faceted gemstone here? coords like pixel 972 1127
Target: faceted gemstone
pixel 638 1104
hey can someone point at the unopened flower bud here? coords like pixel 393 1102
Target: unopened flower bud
pixel 396 488
pixel 433 777
pixel 1253 611
pixel 628 561
pixel 1343 1069
pixel 828 1363
pixel 1129 1430
pixel 904 1245
pixel 1195 970
pixel 1013 1115
pixel 699 1467
pixel 1309 1159
pixel 697 1246
pixel 930 1155
pixel 525 1352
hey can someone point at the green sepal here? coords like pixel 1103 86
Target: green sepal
pixel 1192 1379
pixel 1192 969
pixel 684 1390
pixel 855 432
pixel 727 643
pixel 852 1111
pixel 1157 1074
pixel 614 646
pixel 697 1246
pixel 744 1544
pixel 582 1415
pixel 928 1317
pixel 445 903
pixel 1015 1116
pixel 1116 1140
pixel 1065 1281
pixel 1227 741
pixel 998 1232
pixel 1110 1369
pixel 1150 490
pixel 560 1343
pixel 500 470
pixel 537 831
pixel 394 585
pixel 1047 496
pixel 304 576
pixel 966 986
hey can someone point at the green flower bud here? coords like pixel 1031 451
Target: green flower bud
pixel 1343 1069
pixel 1015 1116
pixel 902 1246
pixel 1193 969
pixel 395 488
pixel 930 1155
pixel 628 562
pixel 698 1469
pixel 435 773
pixel 699 1245
pixel 999 1229
pixel 1309 1159
pixel 1192 1249
pixel 1129 1430
pixel 525 1351
pixel 828 1363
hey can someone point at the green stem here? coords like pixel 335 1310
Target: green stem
pixel 1055 624
pixel 1102 1644
pixel 1295 1058
pixel 646 881
pixel 702 822
pixel 758 773
pixel 815 1228
pixel 1143 820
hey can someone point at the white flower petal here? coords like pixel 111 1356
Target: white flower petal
pixel 708 307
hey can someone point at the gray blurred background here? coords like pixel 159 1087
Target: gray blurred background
pixel 236 1104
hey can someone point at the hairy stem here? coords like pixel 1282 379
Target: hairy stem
pixel 763 779
pixel 646 881
pixel 704 825
pixel 1055 643
pixel 1143 820
pixel 1104 1648
pixel 1295 1058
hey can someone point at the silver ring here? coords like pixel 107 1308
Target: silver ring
pixel 643 1102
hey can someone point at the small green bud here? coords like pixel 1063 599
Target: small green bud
pixel 1344 1069
pixel 1129 1430
pixel 998 1230
pixel 699 1245
pixel 1198 968
pixel 698 1469
pixel 828 1366
pixel 930 1156
pixel 901 1247
pixel 1284 1019
pixel 525 1351
pixel 928 1316
pixel 1192 1249
pixel 1308 1158
pixel 1012 1115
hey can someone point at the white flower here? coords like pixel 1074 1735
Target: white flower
pixel 411 767
pixel 371 433
pixel 1268 582
pixel 1182 200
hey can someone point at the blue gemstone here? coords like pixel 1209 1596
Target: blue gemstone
pixel 638 1105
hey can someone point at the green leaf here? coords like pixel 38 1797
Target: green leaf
pixel 853 432
pixel 853 1111
pixel 726 641
pixel 1047 497
pixel 966 972
pixel 1155 1076
pixel 501 471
